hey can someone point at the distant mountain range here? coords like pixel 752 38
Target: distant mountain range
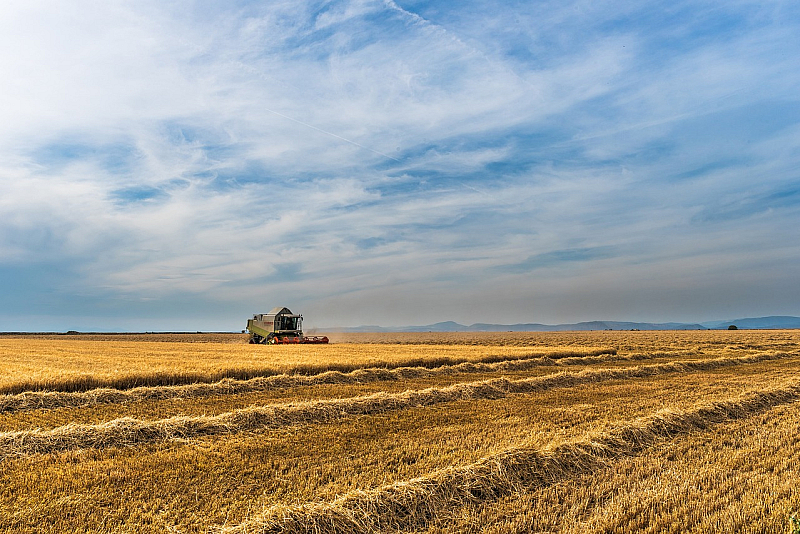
pixel 772 322
pixel 755 323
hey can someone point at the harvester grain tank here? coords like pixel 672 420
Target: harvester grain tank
pixel 280 325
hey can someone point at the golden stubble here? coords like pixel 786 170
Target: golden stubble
pixel 66 364
pixel 193 484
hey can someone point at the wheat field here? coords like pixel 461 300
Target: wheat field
pixel 429 433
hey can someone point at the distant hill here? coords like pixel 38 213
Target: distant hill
pixel 773 322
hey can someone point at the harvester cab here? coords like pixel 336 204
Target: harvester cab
pixel 280 325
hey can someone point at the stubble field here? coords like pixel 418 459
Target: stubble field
pixel 498 432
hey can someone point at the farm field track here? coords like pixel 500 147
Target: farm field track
pixel 593 451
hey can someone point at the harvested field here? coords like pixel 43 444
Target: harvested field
pixel 68 364
pixel 596 432
pixel 33 400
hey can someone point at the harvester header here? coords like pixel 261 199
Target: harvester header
pixel 280 325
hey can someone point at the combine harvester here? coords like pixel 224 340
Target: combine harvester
pixel 280 325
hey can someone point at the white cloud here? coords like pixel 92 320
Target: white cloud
pixel 346 150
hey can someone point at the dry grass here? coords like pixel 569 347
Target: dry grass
pixel 729 474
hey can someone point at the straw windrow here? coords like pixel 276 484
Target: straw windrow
pixel 35 400
pixel 131 432
pixel 175 378
pixel 412 504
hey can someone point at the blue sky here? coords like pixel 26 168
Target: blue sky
pixel 183 165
